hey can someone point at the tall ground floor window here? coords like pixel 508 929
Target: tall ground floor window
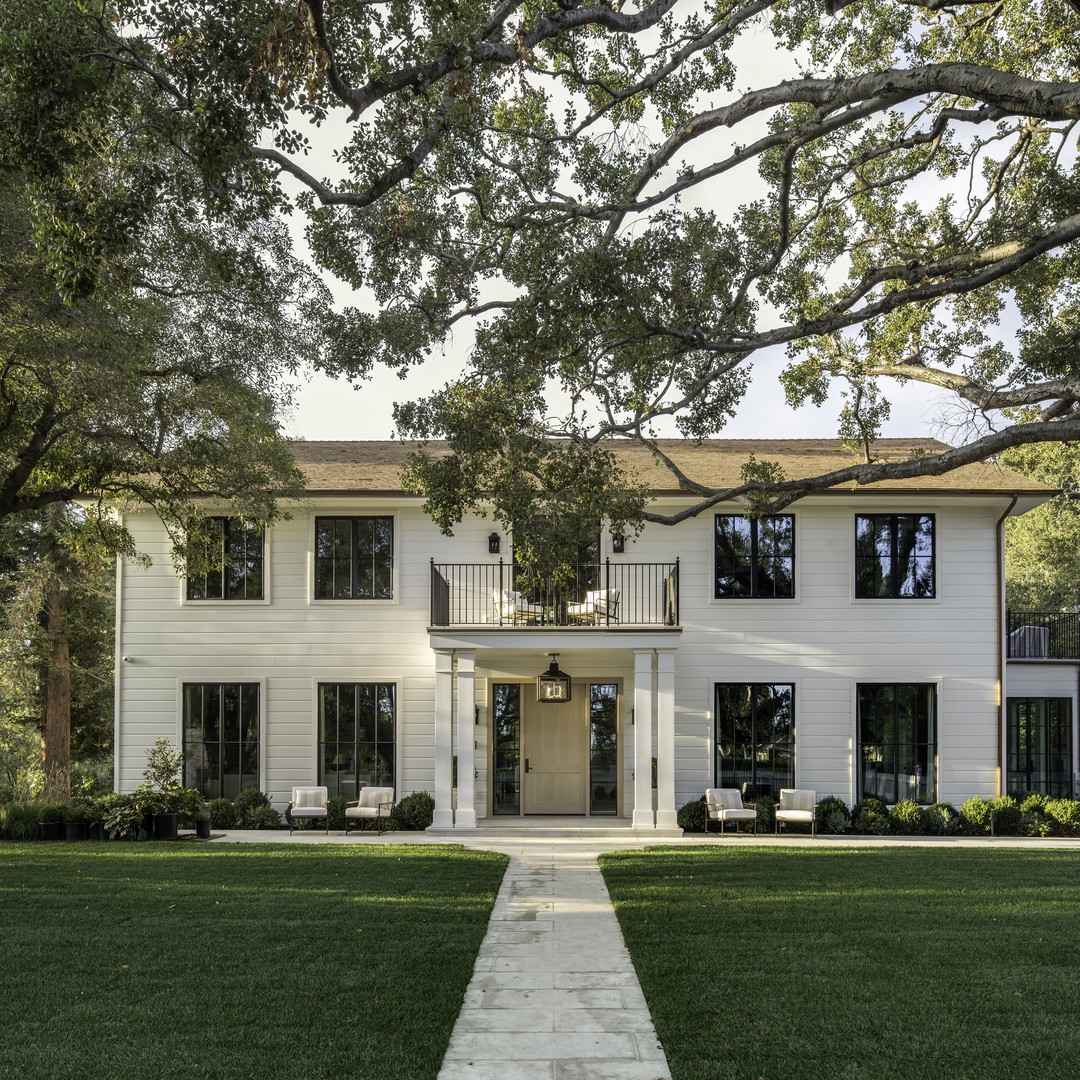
pixel 221 738
pixel 897 724
pixel 1040 746
pixel 755 736
pixel 357 736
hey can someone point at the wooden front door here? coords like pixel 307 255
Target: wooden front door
pixel 555 752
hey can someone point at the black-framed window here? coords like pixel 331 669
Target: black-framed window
pixel 1039 746
pixel 603 748
pixel 233 555
pixel 221 738
pixel 755 557
pixel 354 558
pixel 357 736
pixel 754 732
pixel 896 739
pixel 894 556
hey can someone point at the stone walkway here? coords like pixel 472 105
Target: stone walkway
pixel 554 995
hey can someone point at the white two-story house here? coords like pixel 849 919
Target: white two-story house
pixel 854 644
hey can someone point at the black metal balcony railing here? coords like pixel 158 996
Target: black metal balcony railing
pixel 1042 635
pixel 603 595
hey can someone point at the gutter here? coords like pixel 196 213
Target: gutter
pixel 1000 537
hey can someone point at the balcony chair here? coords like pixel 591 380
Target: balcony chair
pixel 599 606
pixel 512 607
pixel 725 804
pixel 308 802
pixel 375 804
pixel 797 807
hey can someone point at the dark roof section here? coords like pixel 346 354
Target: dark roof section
pixel 374 467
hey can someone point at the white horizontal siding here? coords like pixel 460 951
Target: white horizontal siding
pixel 825 642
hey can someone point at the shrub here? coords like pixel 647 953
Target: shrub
pixel 222 814
pixel 870 816
pixel 125 817
pixel 942 819
pixel 1035 823
pixel 263 817
pixel 832 815
pixel 415 812
pixel 1065 813
pixel 1006 815
pixel 247 802
pixel 51 812
pixel 976 816
pixel 335 812
pixel 19 820
pixel 907 818
pixel 765 805
pixel 1032 802
pixel 692 816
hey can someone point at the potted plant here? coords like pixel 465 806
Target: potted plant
pixel 75 821
pixel 51 822
pixel 202 822
pixel 124 818
pixel 161 787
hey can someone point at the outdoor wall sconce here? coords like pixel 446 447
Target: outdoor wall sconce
pixel 618 544
pixel 493 544
pixel 553 685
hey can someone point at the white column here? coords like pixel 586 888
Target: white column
pixel 643 726
pixel 665 740
pixel 465 817
pixel 444 738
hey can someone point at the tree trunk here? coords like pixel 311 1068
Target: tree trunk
pixel 56 686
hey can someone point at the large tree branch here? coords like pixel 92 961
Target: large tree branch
pixel 775 496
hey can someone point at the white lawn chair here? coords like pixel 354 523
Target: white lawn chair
pixel 308 802
pixel 797 807
pixel 375 804
pixel 512 607
pixel 599 606
pixel 725 804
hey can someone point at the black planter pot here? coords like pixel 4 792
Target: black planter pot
pixel 166 825
pixel 97 831
pixel 51 830
pixel 75 830
pixel 147 826
pixel 202 828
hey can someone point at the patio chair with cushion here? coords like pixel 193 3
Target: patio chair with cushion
pixel 725 804
pixel 797 807
pixel 375 805
pixel 599 606
pixel 308 802
pixel 512 607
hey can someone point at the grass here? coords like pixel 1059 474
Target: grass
pixel 132 961
pixel 844 964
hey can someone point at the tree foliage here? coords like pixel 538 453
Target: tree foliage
pixel 616 202
pixel 1042 550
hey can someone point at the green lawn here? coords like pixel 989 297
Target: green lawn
pixel 837 964
pixel 275 962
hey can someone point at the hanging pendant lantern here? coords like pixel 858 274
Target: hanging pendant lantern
pixel 553 685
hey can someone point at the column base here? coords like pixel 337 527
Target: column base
pixel 442 819
pixel 464 819
pixel 643 819
pixel 667 819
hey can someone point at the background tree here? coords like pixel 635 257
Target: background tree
pixel 1042 551
pixel 623 201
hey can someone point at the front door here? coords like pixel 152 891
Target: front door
pixel 555 758
pixel 556 764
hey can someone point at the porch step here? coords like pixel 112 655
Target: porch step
pixel 564 828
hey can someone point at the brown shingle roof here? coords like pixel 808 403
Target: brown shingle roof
pixel 375 466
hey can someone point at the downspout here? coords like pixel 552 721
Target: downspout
pixel 1001 637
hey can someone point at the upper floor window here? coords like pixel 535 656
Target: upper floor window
pixel 755 557
pixel 894 555
pixel 354 558
pixel 234 557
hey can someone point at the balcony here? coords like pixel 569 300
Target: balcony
pixel 1042 635
pixel 600 596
